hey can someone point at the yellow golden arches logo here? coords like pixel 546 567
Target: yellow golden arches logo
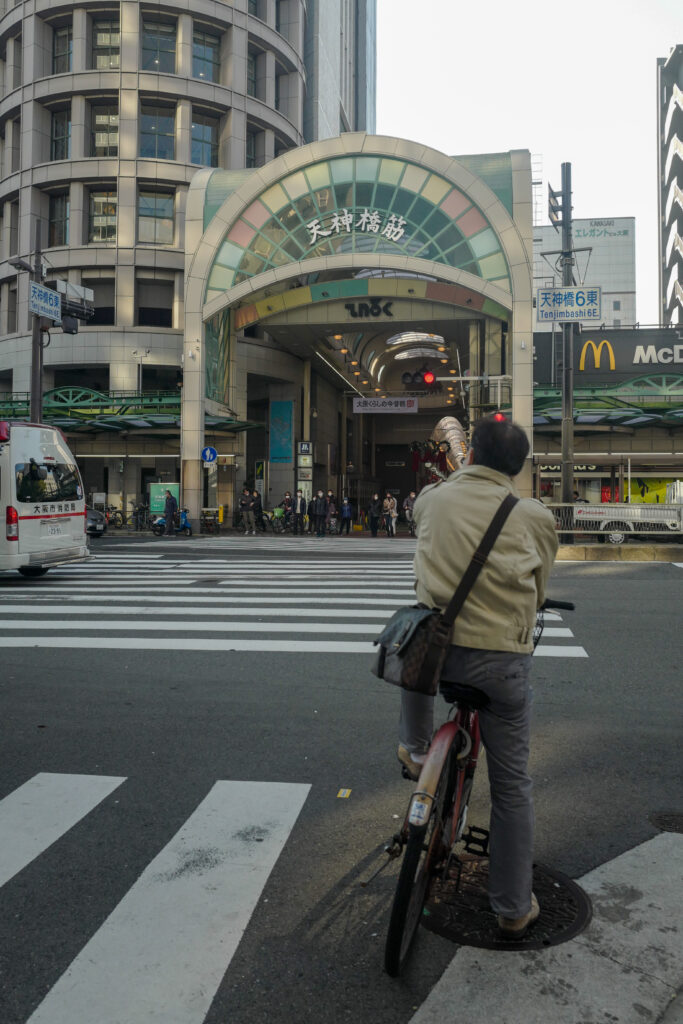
pixel 597 351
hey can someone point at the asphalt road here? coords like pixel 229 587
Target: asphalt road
pixel 157 876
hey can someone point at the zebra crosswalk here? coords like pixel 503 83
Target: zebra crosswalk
pixel 149 601
pixel 162 952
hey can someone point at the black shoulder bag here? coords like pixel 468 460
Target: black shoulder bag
pixel 414 643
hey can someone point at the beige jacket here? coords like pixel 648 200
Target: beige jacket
pixel 452 517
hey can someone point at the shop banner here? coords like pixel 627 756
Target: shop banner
pixel 281 433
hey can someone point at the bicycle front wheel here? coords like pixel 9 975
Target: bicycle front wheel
pixel 424 852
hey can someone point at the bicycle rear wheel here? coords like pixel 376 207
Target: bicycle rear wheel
pixel 424 852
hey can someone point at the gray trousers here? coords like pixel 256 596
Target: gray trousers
pixel 505 729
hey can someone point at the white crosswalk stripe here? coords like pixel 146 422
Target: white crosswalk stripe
pixel 162 952
pixel 149 601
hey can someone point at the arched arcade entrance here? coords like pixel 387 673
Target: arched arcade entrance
pixel 321 286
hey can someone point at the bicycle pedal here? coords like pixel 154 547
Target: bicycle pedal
pixel 476 840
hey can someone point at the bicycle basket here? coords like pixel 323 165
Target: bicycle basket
pixel 278 513
pixel 538 628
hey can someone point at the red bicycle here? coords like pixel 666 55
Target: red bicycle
pixel 434 829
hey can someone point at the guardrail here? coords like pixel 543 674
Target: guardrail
pixel 615 524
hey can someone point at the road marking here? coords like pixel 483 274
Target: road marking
pixel 543 651
pixel 210 626
pixel 175 643
pixel 162 953
pixel 553 631
pixel 236 609
pixel 219 600
pixel 36 814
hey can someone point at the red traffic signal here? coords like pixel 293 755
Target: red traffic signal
pixel 498 417
pixel 428 377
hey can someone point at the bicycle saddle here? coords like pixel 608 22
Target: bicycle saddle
pixel 460 693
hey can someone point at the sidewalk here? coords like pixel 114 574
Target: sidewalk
pixel 625 968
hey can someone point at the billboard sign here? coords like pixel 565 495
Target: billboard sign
pixel 385 405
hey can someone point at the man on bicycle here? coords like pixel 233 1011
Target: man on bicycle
pixel 491 643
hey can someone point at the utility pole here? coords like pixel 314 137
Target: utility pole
pixel 36 275
pixel 36 340
pixel 567 261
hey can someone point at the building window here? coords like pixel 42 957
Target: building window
pixel 157 132
pixel 58 233
pixel 206 56
pixel 250 160
pixel 17 69
pixel 155 217
pixel 204 140
pixel 103 301
pixel 104 134
pixel 60 138
pixel 251 74
pixel 154 303
pixel 62 44
pixel 12 309
pixel 106 44
pixel 15 151
pixel 278 16
pixel 158 46
pixel 253 7
pixel 616 304
pixel 102 222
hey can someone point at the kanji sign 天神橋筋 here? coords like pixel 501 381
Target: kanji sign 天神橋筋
pixel 368 221
pixel 573 303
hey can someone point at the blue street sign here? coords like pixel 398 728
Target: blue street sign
pixel 209 455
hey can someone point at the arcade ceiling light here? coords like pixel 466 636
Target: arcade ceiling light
pixel 415 338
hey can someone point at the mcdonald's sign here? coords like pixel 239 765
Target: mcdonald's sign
pixel 597 352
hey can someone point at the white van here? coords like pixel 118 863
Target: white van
pixel 41 495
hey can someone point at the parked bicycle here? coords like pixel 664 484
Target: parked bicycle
pixel 114 516
pixel 434 830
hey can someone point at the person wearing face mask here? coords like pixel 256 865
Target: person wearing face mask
pixel 319 513
pixel 298 513
pixel 287 504
pixel 408 504
pixel 374 513
pixel 346 515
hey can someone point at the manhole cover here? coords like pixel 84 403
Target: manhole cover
pixel 667 821
pixel 460 911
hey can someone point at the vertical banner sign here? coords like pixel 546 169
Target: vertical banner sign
pixel 259 476
pixel 281 434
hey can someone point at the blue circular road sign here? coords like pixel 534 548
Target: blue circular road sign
pixel 209 454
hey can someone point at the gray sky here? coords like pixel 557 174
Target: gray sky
pixel 499 74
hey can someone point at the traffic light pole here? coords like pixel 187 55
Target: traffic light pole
pixel 567 260
pixel 36 409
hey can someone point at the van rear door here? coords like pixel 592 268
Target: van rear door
pixel 48 491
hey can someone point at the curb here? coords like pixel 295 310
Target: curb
pixel 626 966
pixel 620 553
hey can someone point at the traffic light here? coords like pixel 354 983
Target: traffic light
pixel 554 208
pixel 428 377
pixel 69 324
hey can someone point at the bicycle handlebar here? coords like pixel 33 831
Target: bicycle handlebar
pixel 566 605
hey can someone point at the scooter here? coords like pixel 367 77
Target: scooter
pixel 183 526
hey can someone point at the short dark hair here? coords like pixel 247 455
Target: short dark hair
pixel 500 444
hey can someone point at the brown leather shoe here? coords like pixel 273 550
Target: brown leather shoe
pixel 413 768
pixel 516 927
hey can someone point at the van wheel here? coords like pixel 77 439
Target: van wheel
pixel 615 533
pixel 32 570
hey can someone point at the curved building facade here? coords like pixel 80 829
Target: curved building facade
pixel 107 110
pixel 670 191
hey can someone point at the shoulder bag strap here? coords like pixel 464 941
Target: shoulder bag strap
pixel 478 559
